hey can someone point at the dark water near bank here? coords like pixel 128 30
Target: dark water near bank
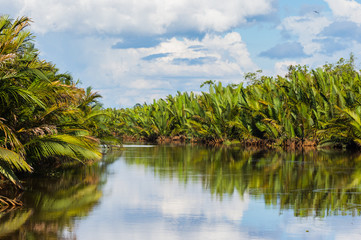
pixel 170 192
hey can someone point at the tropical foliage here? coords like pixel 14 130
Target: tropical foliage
pixel 306 107
pixel 45 119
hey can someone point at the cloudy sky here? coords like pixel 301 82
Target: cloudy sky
pixel 133 51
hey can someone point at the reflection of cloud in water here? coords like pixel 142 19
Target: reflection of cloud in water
pixel 177 203
pixel 138 205
pixel 141 204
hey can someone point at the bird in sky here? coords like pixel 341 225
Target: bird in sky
pixel 316 12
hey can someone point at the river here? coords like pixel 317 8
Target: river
pixel 194 192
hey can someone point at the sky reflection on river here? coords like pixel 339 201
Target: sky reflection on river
pixel 144 205
pixel 164 192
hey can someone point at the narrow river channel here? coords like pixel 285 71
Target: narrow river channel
pixel 194 192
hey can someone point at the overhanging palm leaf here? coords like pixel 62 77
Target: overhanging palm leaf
pixel 81 148
pixel 7 171
pixel 14 160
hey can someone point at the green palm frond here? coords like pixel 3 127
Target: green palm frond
pixel 8 173
pixel 14 160
pixel 81 148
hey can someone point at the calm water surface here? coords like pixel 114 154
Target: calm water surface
pixel 185 192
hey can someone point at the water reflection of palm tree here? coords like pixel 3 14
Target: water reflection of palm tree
pixel 55 203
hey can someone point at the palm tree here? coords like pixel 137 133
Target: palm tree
pixel 44 117
pixel 12 41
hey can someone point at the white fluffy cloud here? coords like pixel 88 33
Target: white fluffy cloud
pixel 306 28
pixel 135 74
pixel 142 74
pixel 309 31
pixel 213 55
pixel 348 9
pixel 154 17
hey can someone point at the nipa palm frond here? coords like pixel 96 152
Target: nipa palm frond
pixel 81 148
pixel 14 160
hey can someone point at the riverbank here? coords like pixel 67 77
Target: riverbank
pixel 286 145
pixel 305 108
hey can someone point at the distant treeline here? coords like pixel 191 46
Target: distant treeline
pixel 307 107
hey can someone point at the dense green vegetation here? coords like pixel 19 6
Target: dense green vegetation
pixel 304 108
pixel 45 119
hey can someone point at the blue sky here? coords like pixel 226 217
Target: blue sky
pixel 133 51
